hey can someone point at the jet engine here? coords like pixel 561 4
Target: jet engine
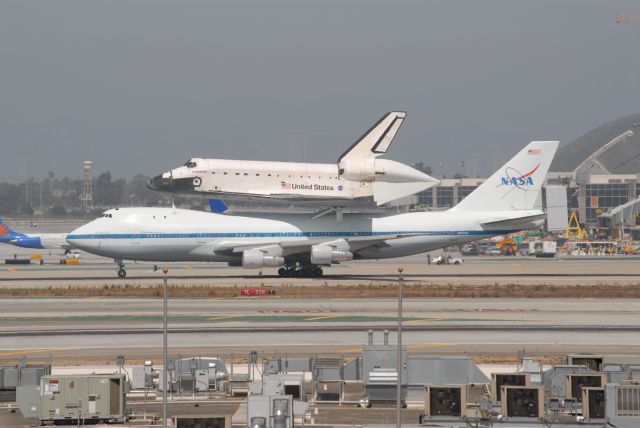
pixel 324 254
pixel 255 259
pixel 27 242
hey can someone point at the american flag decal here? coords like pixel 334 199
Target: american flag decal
pixel 534 152
pixel 285 185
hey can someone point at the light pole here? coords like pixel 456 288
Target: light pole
pixel 165 359
pixel 399 359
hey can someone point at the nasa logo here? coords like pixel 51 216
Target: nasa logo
pixel 340 187
pixel 513 177
pixel 517 181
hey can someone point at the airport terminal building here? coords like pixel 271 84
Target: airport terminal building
pixel 600 170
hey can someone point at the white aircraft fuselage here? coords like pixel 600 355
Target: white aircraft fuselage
pixel 169 234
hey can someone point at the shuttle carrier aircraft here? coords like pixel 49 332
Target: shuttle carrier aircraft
pixel 359 178
pixel 300 245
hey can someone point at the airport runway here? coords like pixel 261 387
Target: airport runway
pixel 94 271
pixel 98 329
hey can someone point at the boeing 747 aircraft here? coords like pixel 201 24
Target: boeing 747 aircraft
pixel 360 178
pixel 300 245
pixel 32 240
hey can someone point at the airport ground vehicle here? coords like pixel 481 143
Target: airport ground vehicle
pixel 492 250
pixel 507 246
pixel 447 260
pixel 470 249
pixel 546 248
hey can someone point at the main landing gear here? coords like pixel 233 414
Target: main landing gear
pixel 304 271
pixel 121 272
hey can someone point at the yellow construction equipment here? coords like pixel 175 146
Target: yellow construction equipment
pixel 508 246
pixel 574 232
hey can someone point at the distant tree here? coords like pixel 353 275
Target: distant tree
pixel 420 166
pixel 10 195
pixel 26 208
pixel 57 210
pixel 107 192
pixel 138 193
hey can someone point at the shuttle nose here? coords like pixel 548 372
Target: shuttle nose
pixel 166 183
pixel 159 183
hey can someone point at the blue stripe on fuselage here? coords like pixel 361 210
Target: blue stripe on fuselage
pixel 286 234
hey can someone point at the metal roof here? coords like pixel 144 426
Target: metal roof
pixel 608 149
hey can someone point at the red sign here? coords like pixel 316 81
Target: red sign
pixel 253 292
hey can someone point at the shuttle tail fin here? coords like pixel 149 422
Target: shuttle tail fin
pixel 377 139
pixel 517 184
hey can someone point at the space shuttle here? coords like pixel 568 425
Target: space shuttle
pixel 359 178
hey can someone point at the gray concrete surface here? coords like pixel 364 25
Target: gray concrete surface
pixel 100 328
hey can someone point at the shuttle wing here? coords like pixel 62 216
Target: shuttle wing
pixel 377 139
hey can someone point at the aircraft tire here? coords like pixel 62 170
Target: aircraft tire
pixel 122 273
pixel 282 272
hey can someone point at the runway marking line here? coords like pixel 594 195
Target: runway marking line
pixel 426 320
pixel 218 318
pixel 321 318
pixel 429 345
pixel 33 351
pixel 417 346
pixel 350 350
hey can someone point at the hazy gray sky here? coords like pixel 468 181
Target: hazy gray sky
pixel 140 86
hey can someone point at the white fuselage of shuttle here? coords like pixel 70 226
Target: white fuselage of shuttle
pixel 362 182
pixel 358 178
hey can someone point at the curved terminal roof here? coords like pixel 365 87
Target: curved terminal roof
pixel 613 148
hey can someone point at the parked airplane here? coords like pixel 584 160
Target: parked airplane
pixel 359 178
pixel 32 240
pixel 503 204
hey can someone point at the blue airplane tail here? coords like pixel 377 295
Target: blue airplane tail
pixel 218 206
pixel 5 232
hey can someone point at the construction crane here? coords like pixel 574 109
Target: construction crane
pixel 623 18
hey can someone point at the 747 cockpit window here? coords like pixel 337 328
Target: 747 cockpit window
pixel 190 164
